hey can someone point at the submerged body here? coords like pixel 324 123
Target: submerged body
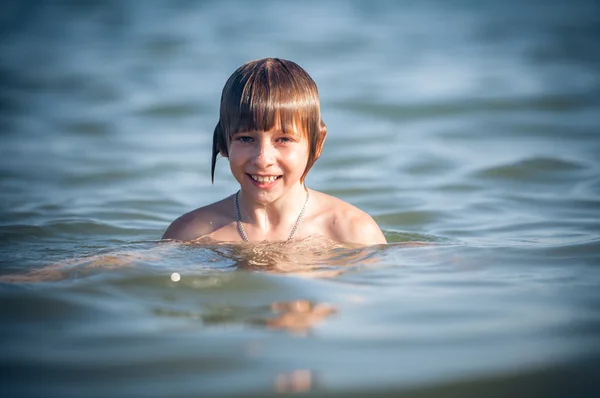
pixel 270 129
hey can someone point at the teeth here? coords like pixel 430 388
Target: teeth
pixel 264 178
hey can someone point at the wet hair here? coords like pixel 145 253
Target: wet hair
pixel 265 94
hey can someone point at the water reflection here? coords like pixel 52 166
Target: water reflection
pixel 313 257
pixel 299 380
pixel 297 317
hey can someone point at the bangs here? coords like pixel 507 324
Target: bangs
pixel 265 118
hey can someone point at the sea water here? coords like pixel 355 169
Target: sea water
pixel 467 129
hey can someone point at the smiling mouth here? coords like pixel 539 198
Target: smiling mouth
pixel 263 179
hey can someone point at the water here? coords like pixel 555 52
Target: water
pixel 469 130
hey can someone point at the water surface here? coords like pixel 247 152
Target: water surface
pixel 468 130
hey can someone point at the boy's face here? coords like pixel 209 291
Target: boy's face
pixel 268 164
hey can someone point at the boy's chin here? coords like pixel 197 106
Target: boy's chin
pixel 262 197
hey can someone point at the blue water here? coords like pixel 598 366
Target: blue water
pixel 467 129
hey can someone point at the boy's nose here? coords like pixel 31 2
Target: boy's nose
pixel 266 155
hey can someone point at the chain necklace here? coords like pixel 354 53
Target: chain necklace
pixel 240 227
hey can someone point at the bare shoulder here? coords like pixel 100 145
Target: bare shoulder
pixel 200 222
pixel 347 223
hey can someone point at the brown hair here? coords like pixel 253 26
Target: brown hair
pixel 270 93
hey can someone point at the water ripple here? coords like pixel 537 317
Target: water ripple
pixel 535 169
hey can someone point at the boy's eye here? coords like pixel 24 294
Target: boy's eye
pixel 244 139
pixel 284 139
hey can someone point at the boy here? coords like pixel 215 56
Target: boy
pixel 271 131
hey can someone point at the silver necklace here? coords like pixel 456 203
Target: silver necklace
pixel 240 227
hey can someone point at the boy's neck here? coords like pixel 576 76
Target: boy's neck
pixel 282 212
